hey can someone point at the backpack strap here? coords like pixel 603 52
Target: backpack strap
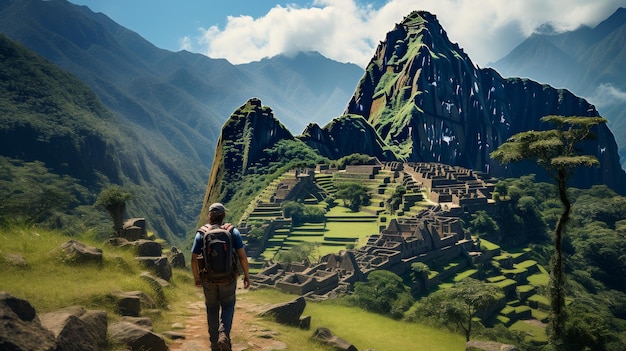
pixel 208 227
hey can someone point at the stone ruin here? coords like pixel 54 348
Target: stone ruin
pixel 433 235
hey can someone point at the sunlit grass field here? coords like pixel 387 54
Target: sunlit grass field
pixel 363 329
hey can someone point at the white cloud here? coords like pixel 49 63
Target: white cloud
pixel 607 95
pixel 349 30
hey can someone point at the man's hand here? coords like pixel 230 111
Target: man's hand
pixel 198 282
pixel 227 226
pixel 246 282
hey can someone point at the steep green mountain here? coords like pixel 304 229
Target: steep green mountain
pixel 588 61
pixel 253 149
pixel 429 102
pixel 49 115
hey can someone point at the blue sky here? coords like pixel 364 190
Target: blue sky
pixel 344 30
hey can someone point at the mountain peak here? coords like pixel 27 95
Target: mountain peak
pixel 429 103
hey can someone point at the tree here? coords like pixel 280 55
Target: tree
pixel 555 151
pixel 302 252
pixel 460 303
pixel 483 225
pixel 396 199
pixel 384 293
pixel 419 274
pixel 114 199
pixel 354 195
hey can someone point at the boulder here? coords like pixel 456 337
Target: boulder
pixel 288 313
pixel 70 332
pixel 176 258
pixel 143 322
pixel 134 229
pixel 136 337
pixel 325 336
pixel 157 284
pixel 74 251
pixel 127 304
pixel 148 248
pixel 20 328
pixel 96 323
pixel 159 265
pixel 16 260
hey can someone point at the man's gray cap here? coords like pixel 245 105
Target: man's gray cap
pixel 217 208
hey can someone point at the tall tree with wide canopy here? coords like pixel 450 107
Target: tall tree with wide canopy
pixel 555 150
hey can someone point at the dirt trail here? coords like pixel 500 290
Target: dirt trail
pixel 246 334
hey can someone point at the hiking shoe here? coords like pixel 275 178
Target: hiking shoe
pixel 224 342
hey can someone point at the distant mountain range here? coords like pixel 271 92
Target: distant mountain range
pixel 588 61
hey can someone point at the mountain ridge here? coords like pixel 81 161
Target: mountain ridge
pixel 590 63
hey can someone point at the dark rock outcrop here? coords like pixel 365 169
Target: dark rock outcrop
pixel 74 251
pixel 325 336
pixel 159 265
pixel 288 313
pixel 176 258
pixel 245 136
pixel 136 337
pixel 20 327
pixel 73 332
pixel 148 248
pixel 346 135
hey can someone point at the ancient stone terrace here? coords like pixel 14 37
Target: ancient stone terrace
pixel 452 185
pixel 435 234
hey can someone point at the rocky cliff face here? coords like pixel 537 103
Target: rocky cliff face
pixel 344 136
pixel 429 102
pixel 250 130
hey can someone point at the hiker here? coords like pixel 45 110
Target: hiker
pixel 219 293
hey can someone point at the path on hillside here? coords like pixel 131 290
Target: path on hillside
pixel 247 334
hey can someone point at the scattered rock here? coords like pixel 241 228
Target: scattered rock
pixel 174 335
pixel 134 229
pixel 16 260
pixel 69 332
pixel 159 265
pixel 325 336
pixel 20 328
pixel 288 313
pixel 143 322
pixel 157 284
pixel 148 248
pixel 127 303
pixel 136 337
pixel 176 258
pixel 76 252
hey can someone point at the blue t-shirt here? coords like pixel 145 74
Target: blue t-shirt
pixel 197 242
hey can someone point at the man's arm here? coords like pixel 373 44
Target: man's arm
pixel 243 258
pixel 195 270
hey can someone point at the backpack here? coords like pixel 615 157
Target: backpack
pixel 217 263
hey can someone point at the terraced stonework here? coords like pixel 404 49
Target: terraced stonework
pixel 432 231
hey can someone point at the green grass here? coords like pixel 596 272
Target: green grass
pixel 363 329
pixel 532 331
pixel 45 283
pixel 539 279
pixel 49 284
